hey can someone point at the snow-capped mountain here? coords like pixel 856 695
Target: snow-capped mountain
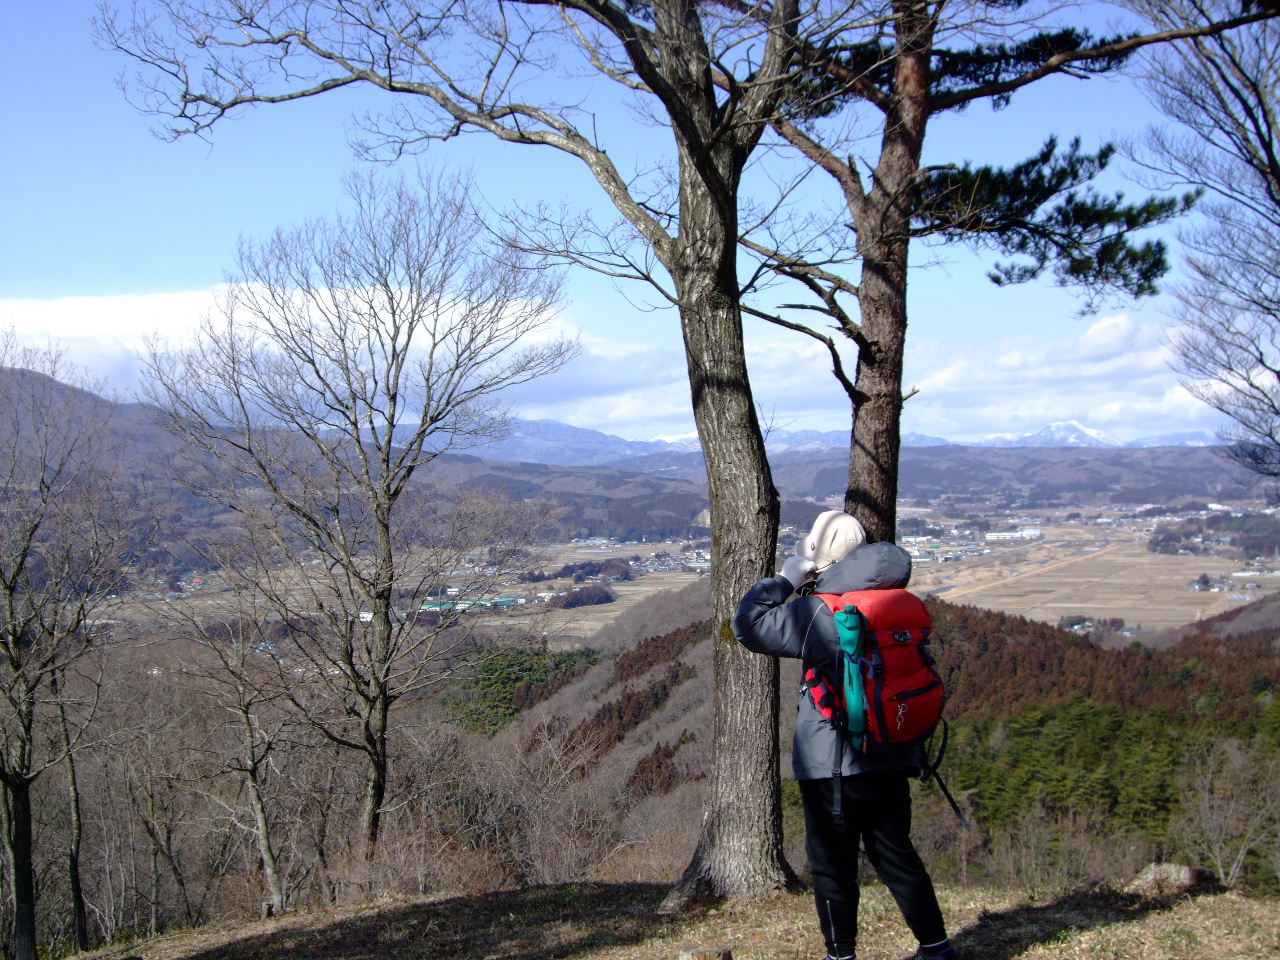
pixel 1066 433
pixel 688 443
pixel 1072 433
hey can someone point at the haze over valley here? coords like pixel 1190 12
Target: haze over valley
pixel 1048 532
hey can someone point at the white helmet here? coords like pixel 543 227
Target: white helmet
pixel 834 536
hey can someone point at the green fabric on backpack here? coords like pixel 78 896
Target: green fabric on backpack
pixel 849 624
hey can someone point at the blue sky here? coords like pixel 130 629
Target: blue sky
pixel 109 233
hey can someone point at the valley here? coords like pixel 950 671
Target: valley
pixel 1095 569
pixel 1087 570
pixel 536 704
pixel 1099 573
pixel 963 514
pixel 1092 571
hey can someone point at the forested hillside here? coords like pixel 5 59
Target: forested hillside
pixel 996 665
pixel 1077 762
pixel 1081 756
pixel 1063 750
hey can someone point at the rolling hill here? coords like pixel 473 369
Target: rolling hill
pixel 605 488
pixel 1029 476
pixel 1045 723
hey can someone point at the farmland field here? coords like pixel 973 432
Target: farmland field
pixel 1092 571
pixel 569 628
pixel 1097 573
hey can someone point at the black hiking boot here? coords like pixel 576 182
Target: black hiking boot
pixel 941 951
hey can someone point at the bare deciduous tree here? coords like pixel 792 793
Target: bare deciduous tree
pixel 234 670
pixel 471 65
pixel 564 821
pixel 1230 805
pixel 161 762
pixel 348 356
pixel 63 541
pixel 1224 94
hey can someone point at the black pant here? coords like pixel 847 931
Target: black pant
pixel 877 812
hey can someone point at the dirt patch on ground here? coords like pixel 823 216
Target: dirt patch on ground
pixel 573 625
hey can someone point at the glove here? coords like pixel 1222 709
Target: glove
pixel 798 570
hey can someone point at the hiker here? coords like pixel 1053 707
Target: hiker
pixel 874 802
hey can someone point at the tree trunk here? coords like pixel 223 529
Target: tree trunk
pixel 18 795
pixel 382 625
pixel 162 847
pixel 883 222
pixel 872 495
pixel 375 793
pixel 262 825
pixel 318 801
pixel 270 865
pixel 739 851
pixel 153 918
pixel 79 914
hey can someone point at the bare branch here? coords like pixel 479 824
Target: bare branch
pixel 349 356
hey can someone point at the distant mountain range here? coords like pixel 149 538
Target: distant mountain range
pixel 1065 463
pixel 550 442
pixel 558 444
pixel 607 486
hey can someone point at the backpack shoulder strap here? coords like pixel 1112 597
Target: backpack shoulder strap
pixel 817 612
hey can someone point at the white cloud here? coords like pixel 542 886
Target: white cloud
pixel 630 388
pixel 1113 376
pixel 123 320
pixel 1112 347
pixel 105 335
pixel 1111 336
pixel 640 390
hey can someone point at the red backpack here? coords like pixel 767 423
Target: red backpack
pixel 889 691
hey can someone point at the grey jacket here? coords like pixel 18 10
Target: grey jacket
pixel 805 628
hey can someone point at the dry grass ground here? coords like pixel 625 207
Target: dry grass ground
pixel 621 922
pixel 1093 573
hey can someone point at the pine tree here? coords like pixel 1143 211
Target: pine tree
pixel 898 72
